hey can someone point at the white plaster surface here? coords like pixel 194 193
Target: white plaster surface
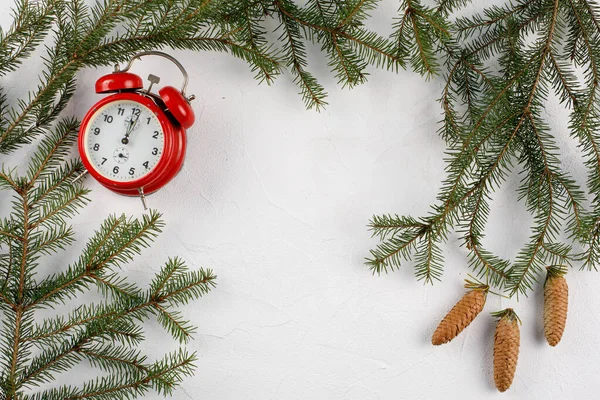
pixel 276 200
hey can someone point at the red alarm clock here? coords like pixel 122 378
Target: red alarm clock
pixel 133 142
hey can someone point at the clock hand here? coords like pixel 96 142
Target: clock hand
pixel 129 129
pixel 125 139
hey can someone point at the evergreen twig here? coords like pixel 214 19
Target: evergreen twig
pixel 501 66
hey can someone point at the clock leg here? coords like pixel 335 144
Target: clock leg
pixel 143 198
pixel 80 176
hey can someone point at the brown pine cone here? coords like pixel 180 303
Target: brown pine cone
pixel 506 348
pixel 556 302
pixel 461 315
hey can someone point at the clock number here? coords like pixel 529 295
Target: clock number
pixel 148 120
pixel 121 111
pixel 103 160
pixel 136 111
pixel 108 118
pixel 155 136
pixel 96 147
pixel 131 171
pixel 145 164
pixel 115 170
pixel 154 151
pixel 96 131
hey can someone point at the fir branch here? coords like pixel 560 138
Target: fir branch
pixel 429 262
pixel 56 183
pixel 115 285
pixel 370 46
pixel 312 92
pixel 114 359
pixel 591 257
pixel 492 117
pixel 52 240
pixel 31 24
pixel 174 324
pixel 494 15
pixel 417 35
pixel 135 307
pixel 53 149
pixel 55 210
pixel 7 181
pixel 161 376
pixel 107 314
pixel 55 359
pixel 117 242
pixel 390 253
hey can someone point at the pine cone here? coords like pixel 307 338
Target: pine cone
pixel 556 302
pixel 461 315
pixel 506 349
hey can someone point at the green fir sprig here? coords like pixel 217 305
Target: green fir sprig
pixel 502 66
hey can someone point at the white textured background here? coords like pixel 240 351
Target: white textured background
pixel 276 199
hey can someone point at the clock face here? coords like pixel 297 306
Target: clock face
pixel 124 140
